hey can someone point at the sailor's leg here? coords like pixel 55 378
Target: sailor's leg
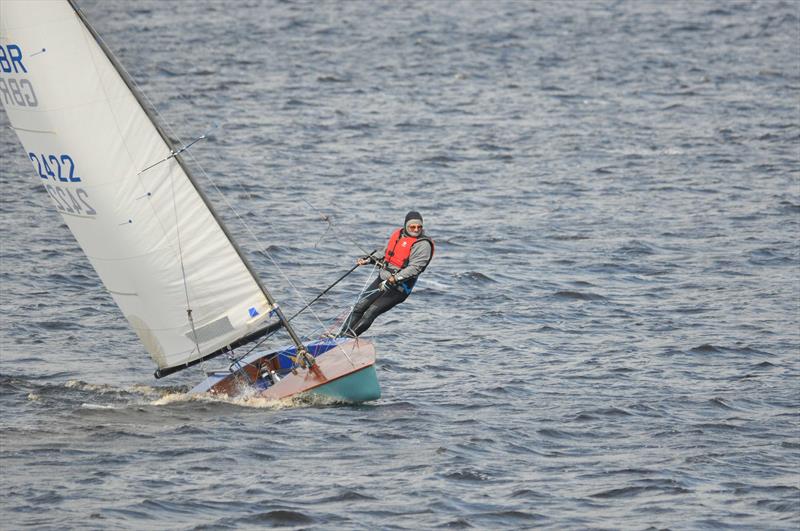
pixel 362 305
pixel 388 300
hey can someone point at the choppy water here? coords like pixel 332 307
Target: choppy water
pixel 608 337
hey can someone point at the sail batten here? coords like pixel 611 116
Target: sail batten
pixel 153 238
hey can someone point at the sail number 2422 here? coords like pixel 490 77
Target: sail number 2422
pixel 61 170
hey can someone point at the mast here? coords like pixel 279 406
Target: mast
pixel 301 350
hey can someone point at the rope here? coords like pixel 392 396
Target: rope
pixel 363 293
pixel 240 373
pixel 328 219
pixel 359 298
pixel 183 268
pixel 261 247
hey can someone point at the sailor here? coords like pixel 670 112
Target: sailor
pixel 408 252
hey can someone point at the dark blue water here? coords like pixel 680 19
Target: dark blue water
pixel 609 334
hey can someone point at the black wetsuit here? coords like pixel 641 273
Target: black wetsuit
pixel 378 302
pixel 371 306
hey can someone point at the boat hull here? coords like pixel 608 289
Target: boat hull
pixel 344 370
pixel 359 386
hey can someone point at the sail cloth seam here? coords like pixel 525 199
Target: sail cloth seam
pixel 87 34
pixel 174 153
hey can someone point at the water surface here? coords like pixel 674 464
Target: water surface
pixel 608 336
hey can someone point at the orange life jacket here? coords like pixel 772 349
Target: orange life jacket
pixel 399 247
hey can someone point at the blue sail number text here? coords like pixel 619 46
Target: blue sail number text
pixel 61 169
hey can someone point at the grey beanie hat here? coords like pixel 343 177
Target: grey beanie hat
pixel 413 216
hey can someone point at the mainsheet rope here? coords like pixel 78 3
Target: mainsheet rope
pixel 349 311
pixel 360 295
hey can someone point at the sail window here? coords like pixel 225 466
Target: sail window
pixel 211 330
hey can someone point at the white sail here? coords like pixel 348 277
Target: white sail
pixel 151 236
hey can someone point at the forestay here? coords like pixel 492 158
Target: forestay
pixel 151 237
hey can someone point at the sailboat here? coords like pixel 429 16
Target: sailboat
pixel 155 240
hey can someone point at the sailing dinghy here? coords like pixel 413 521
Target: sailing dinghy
pixel 125 192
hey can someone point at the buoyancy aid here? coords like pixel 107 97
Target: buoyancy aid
pixel 398 250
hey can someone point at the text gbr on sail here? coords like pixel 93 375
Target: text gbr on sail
pixel 15 91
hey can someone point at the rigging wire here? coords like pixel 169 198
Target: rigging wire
pixel 260 244
pixel 328 219
pixel 346 314
pixel 264 250
pixel 183 268
pixel 262 247
pixel 249 195
pixel 180 150
pixel 359 297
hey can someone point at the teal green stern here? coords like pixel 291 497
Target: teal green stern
pixel 359 386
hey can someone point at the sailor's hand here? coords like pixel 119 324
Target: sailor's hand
pixel 391 280
pixel 364 260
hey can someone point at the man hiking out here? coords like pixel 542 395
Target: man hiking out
pixel 407 254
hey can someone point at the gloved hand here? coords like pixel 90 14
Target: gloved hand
pixel 389 283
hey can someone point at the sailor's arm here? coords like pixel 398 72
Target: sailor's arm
pixel 417 260
pixel 373 257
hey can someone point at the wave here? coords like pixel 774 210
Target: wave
pixel 278 518
pixel 705 348
pixel 467 474
pixel 250 399
pixel 90 396
pixel 633 491
pixel 475 276
pixel 577 295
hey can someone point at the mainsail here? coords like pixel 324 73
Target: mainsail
pixel 152 236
